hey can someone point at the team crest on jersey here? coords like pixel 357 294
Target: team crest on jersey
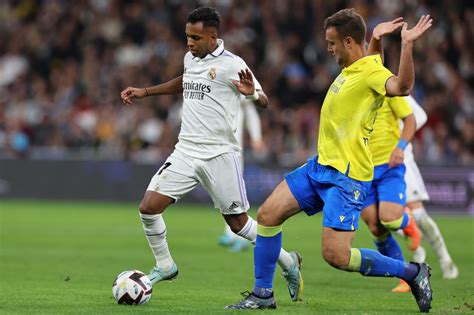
pixel 356 194
pixel 212 73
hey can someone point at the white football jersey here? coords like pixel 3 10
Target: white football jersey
pixel 420 118
pixel 211 103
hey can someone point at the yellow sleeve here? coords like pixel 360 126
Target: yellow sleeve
pixel 400 106
pixel 378 76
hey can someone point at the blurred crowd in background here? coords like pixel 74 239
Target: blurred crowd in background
pixel 64 63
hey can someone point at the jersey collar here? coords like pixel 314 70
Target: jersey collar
pixel 217 52
pixel 359 62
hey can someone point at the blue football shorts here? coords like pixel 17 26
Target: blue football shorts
pixel 319 188
pixel 388 185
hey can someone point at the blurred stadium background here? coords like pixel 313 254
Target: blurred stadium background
pixel 65 135
pixel 63 64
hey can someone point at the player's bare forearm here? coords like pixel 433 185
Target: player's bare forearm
pixel 409 127
pixel 406 70
pixel 375 47
pixel 402 84
pixel 174 86
pixel 262 100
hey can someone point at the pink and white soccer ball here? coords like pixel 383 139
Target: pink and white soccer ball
pixel 132 287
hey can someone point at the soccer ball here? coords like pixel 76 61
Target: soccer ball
pixel 132 287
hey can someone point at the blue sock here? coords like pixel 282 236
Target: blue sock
pixel 374 264
pixel 262 292
pixel 405 220
pixel 411 271
pixel 266 253
pixel 390 248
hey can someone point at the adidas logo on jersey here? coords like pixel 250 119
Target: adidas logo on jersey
pixel 233 206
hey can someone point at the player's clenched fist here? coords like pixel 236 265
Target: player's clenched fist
pixel 129 93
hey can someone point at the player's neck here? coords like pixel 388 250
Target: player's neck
pixel 211 50
pixel 214 47
pixel 357 53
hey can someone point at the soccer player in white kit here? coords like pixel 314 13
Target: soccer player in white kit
pixel 213 83
pixel 416 193
pixel 249 120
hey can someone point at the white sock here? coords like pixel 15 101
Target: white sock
pixel 432 234
pixel 155 231
pixel 249 232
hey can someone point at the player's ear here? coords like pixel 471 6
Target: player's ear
pixel 214 37
pixel 348 42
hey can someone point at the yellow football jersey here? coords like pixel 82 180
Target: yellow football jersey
pixel 347 117
pixel 386 132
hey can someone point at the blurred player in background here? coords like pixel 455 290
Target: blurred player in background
pixel 338 179
pixel 250 120
pixel 207 151
pixel 415 187
pixel 383 209
pixel 416 194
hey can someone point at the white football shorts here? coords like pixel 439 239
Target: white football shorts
pixel 220 176
pixel 416 190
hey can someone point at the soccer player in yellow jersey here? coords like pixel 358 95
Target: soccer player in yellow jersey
pixel 383 208
pixel 336 181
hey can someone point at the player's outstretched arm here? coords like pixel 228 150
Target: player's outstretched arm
pixel 402 84
pixel 408 131
pixel 246 86
pixel 375 44
pixel 173 86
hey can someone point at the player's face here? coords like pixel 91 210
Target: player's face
pixel 200 40
pixel 336 46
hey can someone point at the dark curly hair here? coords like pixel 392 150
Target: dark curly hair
pixel 347 23
pixel 208 16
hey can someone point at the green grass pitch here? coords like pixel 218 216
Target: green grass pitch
pixel 62 257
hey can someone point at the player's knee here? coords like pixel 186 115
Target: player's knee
pixel 336 258
pixel 376 228
pixel 391 213
pixel 146 207
pixel 153 203
pixel 265 216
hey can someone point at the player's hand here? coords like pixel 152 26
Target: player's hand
pixel 130 93
pixel 245 85
pixel 396 158
pixel 410 35
pixel 258 146
pixel 387 28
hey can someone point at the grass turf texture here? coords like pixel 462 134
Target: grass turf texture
pixel 62 257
